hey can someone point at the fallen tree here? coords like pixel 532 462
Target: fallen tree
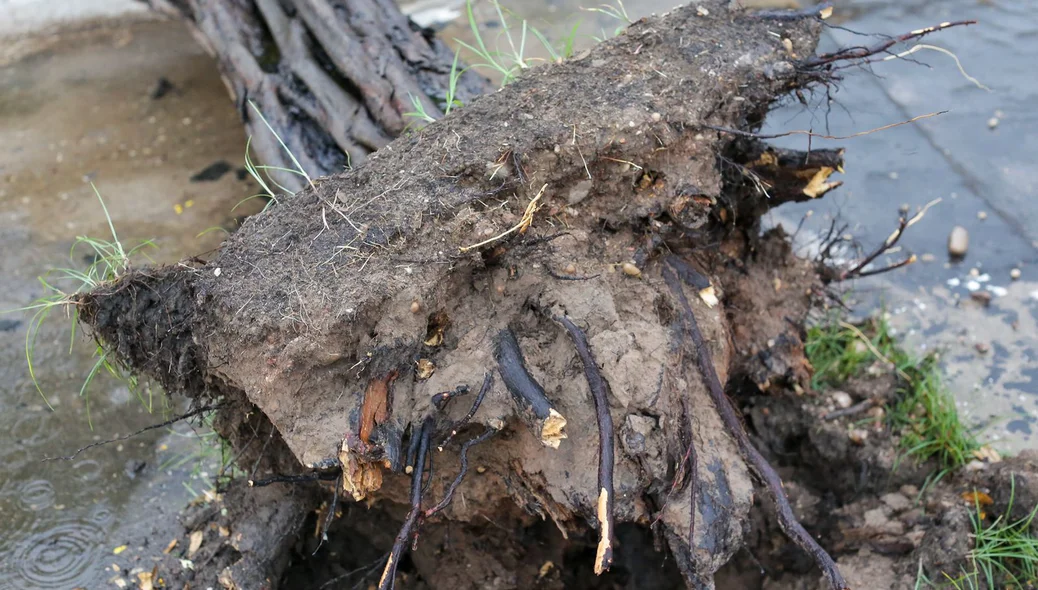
pixel 590 234
pixel 334 79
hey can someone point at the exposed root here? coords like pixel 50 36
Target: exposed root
pixel 330 516
pixel 464 458
pixel 600 394
pixel 488 382
pixel 862 53
pixel 169 422
pixel 787 520
pixel 301 478
pixel 404 536
pixel 858 270
pixel 535 407
pixel 810 133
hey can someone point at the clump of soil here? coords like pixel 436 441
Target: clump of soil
pixel 544 241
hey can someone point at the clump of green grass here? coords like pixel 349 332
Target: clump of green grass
pixel 62 286
pixel 1004 554
pixel 923 411
pixel 504 64
pixel 261 173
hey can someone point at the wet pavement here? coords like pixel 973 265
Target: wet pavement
pixel 83 112
pixel 77 114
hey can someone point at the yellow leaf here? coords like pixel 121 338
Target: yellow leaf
pixel 977 498
pixel 119 549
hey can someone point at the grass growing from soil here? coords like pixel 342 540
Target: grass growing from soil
pixel 61 286
pixel 923 411
pixel 509 63
pixel 1004 554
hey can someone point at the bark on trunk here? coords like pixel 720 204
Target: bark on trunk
pixel 332 78
pixel 345 312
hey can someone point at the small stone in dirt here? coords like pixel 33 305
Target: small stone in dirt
pixel 976 465
pixel 631 270
pixel 416 307
pixel 842 399
pixel 992 122
pixel 571 269
pixel 981 297
pixel 161 88
pixel 958 241
pixel 212 172
pixel 481 470
pixel 858 436
pixel 896 501
pixel 1014 274
pixel 982 347
pixel 982 215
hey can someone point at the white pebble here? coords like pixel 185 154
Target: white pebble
pixel 842 399
pixel 1014 274
pixel 958 241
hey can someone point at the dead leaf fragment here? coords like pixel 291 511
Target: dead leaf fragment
pixel 986 453
pixel 146 581
pixel 976 498
pixel 119 549
pixel 195 543
pixel 170 547
pixel 425 368
pixel 818 186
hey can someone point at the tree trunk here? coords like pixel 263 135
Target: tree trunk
pixel 332 78
pixel 552 233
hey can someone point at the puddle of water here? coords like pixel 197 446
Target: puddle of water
pixel 81 113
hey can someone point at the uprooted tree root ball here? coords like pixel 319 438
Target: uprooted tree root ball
pixel 589 234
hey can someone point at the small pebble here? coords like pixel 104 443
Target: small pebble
pixel 571 269
pixel 981 297
pixel 481 469
pixel 1014 274
pixel 631 270
pixel 992 122
pixel 982 215
pixel 858 436
pixel 416 307
pixel 974 272
pixel 982 347
pixel 842 399
pixel 958 241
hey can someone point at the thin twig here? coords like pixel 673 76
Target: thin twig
pixel 819 135
pixel 858 408
pixel 787 520
pixel 600 394
pixel 169 422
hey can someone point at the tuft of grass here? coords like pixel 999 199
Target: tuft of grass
pixel 923 411
pixel 1004 554
pixel 62 286
pixel 261 173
